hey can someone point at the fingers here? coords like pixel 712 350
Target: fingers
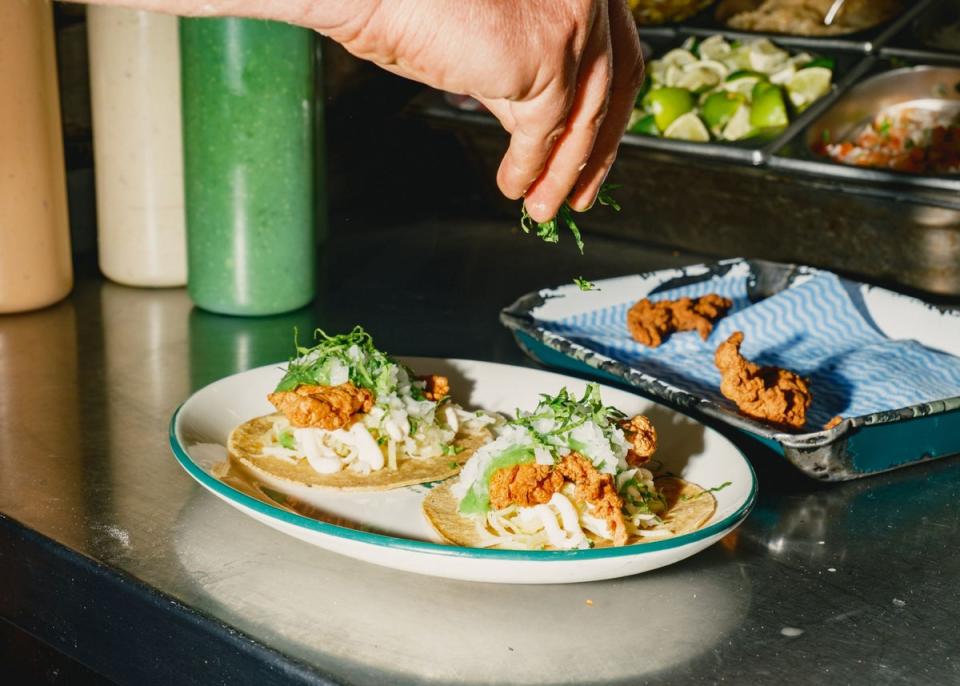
pixel 626 82
pixel 532 137
pixel 573 148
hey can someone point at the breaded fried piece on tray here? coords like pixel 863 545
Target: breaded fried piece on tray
pixel 830 373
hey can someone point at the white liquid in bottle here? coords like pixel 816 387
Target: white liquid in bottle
pixel 138 150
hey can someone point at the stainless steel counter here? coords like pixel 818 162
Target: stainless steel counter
pixel 110 553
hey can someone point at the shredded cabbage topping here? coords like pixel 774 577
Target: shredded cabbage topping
pixel 558 426
pixel 403 423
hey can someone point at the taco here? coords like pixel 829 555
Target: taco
pixel 573 473
pixel 351 418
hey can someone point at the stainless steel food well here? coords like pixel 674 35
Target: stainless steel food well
pixel 927 87
pixel 866 41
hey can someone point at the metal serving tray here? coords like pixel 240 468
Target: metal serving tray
pixel 884 89
pixel 857 447
pixel 867 41
pixel 912 42
pixel 754 151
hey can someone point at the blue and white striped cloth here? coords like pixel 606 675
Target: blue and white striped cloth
pixel 813 328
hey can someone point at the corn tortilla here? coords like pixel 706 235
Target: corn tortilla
pixel 689 507
pixel 246 443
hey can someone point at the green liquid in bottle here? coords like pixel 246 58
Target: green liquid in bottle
pixel 248 130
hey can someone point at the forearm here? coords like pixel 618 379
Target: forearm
pixel 342 20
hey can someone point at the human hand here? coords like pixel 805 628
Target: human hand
pixel 560 75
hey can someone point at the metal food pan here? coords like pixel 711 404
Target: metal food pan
pixel 754 151
pixel 916 41
pixel 883 88
pixel 859 446
pixel 867 41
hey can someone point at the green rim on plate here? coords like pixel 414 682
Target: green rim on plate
pixel 383 540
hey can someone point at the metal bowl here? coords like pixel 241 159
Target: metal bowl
pixel 925 87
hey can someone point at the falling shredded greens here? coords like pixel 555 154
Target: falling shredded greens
pixel 549 230
pixel 584 285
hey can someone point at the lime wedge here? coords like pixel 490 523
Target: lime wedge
pixel 784 75
pixel 701 76
pixel 643 124
pixel 768 109
pixel 739 126
pixel 657 71
pixel 742 86
pixel 719 108
pixel 678 57
pixel 714 48
pixel 826 62
pixel 745 74
pixel 766 57
pixel 739 57
pixel 688 127
pixel 666 104
pixel 808 85
pixel 672 76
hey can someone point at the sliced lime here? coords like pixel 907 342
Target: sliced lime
pixel 739 126
pixel 688 127
pixel 678 57
pixel 766 57
pixel 739 57
pixel 643 124
pixel 657 72
pixel 672 76
pixel 714 48
pixel 784 75
pixel 701 76
pixel 720 107
pixel 825 62
pixel 808 85
pixel 745 74
pixel 666 104
pixel 768 110
pixel 744 82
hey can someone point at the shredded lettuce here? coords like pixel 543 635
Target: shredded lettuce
pixel 347 357
pixel 287 440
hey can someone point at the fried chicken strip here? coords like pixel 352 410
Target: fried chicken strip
pixel 322 407
pixel 524 484
pixel 768 393
pixel 534 484
pixel 650 323
pixel 643 439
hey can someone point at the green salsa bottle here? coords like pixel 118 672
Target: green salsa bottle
pixel 248 135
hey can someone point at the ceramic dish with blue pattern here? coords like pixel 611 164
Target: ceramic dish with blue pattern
pixel 888 365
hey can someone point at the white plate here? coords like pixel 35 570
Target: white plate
pixel 387 528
